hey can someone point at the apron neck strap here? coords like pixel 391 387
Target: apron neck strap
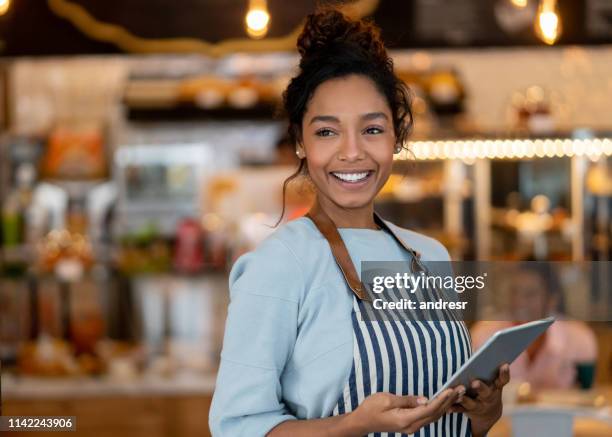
pixel 328 229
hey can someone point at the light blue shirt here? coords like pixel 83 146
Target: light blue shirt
pixel 288 344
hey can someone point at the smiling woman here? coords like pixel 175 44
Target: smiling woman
pixel 346 100
pixel 310 365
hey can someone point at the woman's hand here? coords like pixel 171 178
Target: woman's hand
pixel 385 412
pixel 486 408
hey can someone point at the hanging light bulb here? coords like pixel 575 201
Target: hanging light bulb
pixel 548 22
pixel 4 6
pixel 519 3
pixel 257 19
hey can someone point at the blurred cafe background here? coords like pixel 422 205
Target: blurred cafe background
pixel 141 152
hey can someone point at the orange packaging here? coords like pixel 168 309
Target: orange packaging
pixel 75 152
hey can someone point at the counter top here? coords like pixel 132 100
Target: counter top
pixel 16 388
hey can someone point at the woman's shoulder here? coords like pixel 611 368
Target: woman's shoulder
pixel 299 238
pixel 429 248
pixel 578 336
pixel 298 231
pixel 279 263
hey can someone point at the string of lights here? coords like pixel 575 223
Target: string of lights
pixel 506 149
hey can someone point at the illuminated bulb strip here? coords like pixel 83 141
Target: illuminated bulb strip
pixel 507 149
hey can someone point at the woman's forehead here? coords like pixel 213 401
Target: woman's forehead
pixel 352 96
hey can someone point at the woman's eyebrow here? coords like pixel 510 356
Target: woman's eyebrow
pixel 374 115
pixel 332 119
pixel 329 118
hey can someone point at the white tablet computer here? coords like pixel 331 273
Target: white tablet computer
pixel 503 347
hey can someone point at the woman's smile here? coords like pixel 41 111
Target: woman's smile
pixel 352 180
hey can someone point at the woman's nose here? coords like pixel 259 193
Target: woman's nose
pixel 351 148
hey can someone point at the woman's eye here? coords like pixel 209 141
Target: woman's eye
pixel 324 132
pixel 374 130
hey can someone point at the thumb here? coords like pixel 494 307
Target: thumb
pixel 408 401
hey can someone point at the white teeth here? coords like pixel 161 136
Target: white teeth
pixel 351 177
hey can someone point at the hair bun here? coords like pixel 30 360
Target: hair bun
pixel 330 28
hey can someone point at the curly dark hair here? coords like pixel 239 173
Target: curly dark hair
pixel 332 45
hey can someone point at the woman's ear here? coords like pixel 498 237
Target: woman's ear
pixel 299 150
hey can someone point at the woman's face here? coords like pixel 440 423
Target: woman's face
pixel 348 140
pixel 529 299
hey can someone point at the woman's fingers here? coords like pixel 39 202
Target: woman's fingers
pixel 437 405
pixel 418 417
pixel 468 403
pixel 457 395
pixel 440 405
pixel 395 401
pixel 437 408
pixel 389 401
pixel 413 419
pixel 504 376
pixel 446 399
pixel 458 408
pixel 483 390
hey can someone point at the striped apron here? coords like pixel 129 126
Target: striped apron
pixel 405 357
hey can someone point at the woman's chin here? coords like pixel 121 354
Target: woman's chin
pixel 354 201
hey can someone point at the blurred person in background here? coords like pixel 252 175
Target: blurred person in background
pixel 565 354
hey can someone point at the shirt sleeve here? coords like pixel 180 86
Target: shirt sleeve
pixel 260 333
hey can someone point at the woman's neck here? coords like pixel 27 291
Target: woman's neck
pixel 348 217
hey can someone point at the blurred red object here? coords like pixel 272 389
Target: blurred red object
pixel 188 253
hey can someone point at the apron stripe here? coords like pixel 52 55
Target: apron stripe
pixel 400 359
pixel 364 369
pixel 382 361
pixel 361 361
pixel 408 363
pixel 353 402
